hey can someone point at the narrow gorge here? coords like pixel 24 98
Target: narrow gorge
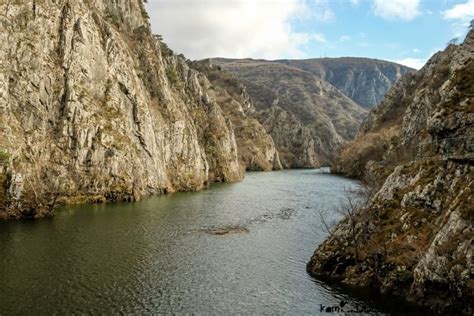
pixel 135 180
pixel 96 108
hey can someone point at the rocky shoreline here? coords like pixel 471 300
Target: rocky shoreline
pixel 412 235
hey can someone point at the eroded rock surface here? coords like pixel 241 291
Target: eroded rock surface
pixel 414 238
pixel 257 150
pixel 95 108
pixel 364 80
pixel 331 117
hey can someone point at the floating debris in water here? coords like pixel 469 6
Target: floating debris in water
pixel 284 213
pixel 225 230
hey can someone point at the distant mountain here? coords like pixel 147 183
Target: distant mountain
pixel 364 80
pixel 332 117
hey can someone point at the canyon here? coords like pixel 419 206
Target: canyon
pixel 96 108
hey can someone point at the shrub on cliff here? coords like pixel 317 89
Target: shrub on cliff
pixel 4 158
pixel 355 155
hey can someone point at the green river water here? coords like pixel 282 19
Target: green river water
pixel 157 256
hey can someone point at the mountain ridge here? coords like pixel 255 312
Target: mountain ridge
pixel 341 79
pixel 332 117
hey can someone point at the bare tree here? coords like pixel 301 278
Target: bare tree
pixel 349 209
pixel 453 41
pixel 355 208
pixel 42 194
pixel 329 227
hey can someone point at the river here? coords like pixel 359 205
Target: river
pixel 170 254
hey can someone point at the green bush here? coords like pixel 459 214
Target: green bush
pixel 165 50
pixel 172 76
pixel 4 158
pixel 404 276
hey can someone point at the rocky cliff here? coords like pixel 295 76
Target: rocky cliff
pixel 257 151
pixel 413 234
pixel 330 116
pixel 295 142
pixel 292 140
pixel 363 80
pixel 94 107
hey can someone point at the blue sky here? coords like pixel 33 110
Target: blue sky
pixel 405 31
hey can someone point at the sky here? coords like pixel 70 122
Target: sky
pixel 404 31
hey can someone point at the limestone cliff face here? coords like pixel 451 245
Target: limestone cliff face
pixel 364 80
pixel 332 117
pixel 268 137
pixel 414 237
pixel 94 108
pixel 257 150
pixel 295 142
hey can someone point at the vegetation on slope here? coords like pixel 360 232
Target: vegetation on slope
pixel 413 236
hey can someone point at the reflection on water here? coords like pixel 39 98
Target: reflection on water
pixel 157 255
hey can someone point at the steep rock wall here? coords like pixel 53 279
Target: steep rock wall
pixel 364 80
pixel 257 150
pixel 414 236
pixel 295 142
pixel 93 109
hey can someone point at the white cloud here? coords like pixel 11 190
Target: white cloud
pixel 463 11
pixel 397 9
pixel 416 63
pixel 344 38
pixel 460 15
pixel 234 28
pixel 354 2
pixel 415 50
pixel 323 11
pixel 326 15
pixel 318 37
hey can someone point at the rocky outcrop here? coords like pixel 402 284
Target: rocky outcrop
pixel 290 145
pixel 95 108
pixel 257 151
pixel 295 142
pixel 413 237
pixel 379 136
pixel 364 80
pixel 331 117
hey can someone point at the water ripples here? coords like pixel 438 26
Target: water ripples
pixel 165 254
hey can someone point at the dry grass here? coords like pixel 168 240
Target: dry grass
pixel 355 155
